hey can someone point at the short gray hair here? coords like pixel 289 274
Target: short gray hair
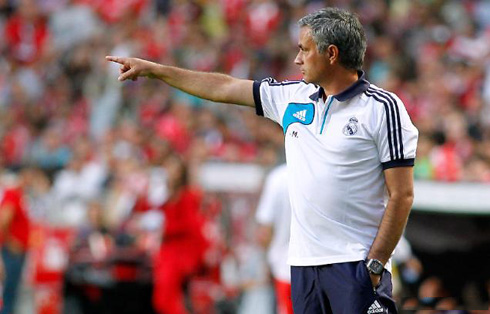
pixel 332 26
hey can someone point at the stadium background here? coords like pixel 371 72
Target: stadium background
pixel 100 143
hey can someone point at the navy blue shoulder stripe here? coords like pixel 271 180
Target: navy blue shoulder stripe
pixel 259 110
pixel 284 83
pixel 399 123
pixel 388 120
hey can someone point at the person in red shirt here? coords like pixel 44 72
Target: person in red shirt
pixel 14 235
pixel 182 251
pixel 26 33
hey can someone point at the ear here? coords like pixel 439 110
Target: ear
pixel 332 54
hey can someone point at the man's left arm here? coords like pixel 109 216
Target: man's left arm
pixel 399 182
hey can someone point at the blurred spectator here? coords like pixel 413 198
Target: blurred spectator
pixel 15 143
pixel 119 203
pixel 26 32
pixel 274 216
pixel 477 170
pixel 407 271
pixel 257 293
pixel 49 152
pixel 424 168
pixel 41 204
pixel 77 185
pixel 262 18
pixel 93 233
pixel 182 251
pixel 14 235
pixel 65 25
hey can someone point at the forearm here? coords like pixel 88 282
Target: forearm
pixel 391 227
pixel 212 86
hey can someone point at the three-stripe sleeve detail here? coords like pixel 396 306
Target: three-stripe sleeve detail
pixel 399 123
pixel 388 121
pixel 393 122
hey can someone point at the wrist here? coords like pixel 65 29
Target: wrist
pixel 374 266
pixel 154 70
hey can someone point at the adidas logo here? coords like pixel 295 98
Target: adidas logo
pixel 375 308
pixel 301 115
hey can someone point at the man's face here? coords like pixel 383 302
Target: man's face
pixel 313 65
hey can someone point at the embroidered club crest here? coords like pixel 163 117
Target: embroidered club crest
pixel 351 128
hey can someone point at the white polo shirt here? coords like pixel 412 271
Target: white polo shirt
pixel 336 151
pixel 274 210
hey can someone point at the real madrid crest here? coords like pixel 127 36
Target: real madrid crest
pixel 351 127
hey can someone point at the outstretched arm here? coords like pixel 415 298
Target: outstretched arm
pixel 212 86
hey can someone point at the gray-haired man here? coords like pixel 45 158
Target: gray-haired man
pixel 350 148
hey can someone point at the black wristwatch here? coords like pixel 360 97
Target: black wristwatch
pixel 374 266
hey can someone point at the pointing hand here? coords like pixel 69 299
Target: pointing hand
pixel 131 68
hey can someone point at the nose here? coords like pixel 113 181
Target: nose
pixel 298 60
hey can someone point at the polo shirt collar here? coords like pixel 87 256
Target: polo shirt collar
pixel 359 86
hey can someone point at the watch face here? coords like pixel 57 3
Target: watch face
pixel 375 267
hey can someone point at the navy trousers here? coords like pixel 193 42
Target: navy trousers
pixel 342 288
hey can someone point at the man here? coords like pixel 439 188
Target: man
pixel 274 216
pixel 14 235
pixel 350 149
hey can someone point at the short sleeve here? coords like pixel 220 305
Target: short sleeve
pixel 397 136
pixel 271 97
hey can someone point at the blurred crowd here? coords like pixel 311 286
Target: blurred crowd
pixel 101 154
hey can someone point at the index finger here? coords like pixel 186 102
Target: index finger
pixel 115 59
